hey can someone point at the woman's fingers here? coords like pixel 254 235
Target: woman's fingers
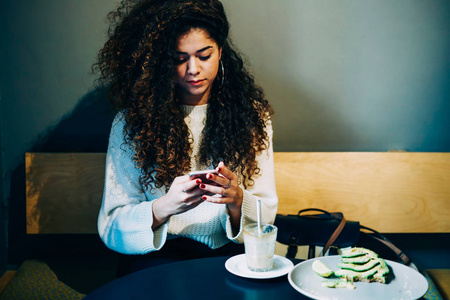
pixel 190 185
pixel 220 180
pixel 232 194
pixel 212 189
pixel 193 201
pixel 193 192
pixel 227 186
pixel 225 172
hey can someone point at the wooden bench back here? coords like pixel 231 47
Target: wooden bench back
pixel 390 192
pixel 64 191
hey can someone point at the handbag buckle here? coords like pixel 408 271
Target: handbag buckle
pixel 292 248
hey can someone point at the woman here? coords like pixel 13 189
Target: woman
pixel 185 102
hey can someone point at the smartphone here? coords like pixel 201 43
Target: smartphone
pixel 202 175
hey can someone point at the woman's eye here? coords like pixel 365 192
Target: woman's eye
pixel 205 57
pixel 183 59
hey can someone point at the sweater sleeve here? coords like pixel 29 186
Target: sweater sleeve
pixel 263 189
pixel 126 217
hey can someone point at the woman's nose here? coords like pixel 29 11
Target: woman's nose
pixel 193 66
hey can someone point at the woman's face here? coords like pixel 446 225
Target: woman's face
pixel 198 63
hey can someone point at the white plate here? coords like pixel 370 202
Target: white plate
pixel 237 265
pixel 406 283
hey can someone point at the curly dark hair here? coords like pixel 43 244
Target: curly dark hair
pixel 139 63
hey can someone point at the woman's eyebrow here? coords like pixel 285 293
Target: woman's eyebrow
pixel 198 51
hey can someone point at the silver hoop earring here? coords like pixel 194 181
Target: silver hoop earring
pixel 223 73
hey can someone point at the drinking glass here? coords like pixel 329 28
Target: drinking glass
pixel 259 246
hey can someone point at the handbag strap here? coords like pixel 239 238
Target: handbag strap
pixel 313 209
pixel 381 238
pixel 335 234
pixel 337 231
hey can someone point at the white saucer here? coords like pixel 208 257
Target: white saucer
pixel 237 265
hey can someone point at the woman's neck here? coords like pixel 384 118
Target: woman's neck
pixel 189 99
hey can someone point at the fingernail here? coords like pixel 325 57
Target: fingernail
pixel 202 186
pixel 198 181
pixel 209 176
pixel 204 197
pixel 219 169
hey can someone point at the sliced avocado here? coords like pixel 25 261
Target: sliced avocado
pixel 383 264
pixel 362 276
pixel 338 284
pixel 380 276
pixel 330 283
pixel 358 251
pixel 359 268
pixel 361 264
pixel 356 259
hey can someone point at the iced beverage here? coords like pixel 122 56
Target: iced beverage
pixel 259 246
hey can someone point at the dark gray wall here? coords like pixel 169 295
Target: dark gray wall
pixel 351 75
pixel 47 49
pixel 344 75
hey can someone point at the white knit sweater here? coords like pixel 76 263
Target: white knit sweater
pixel 125 218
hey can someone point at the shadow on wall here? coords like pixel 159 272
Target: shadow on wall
pixel 85 129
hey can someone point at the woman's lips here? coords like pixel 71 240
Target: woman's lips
pixel 195 82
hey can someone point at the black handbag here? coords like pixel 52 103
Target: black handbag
pixel 329 230
pixel 324 229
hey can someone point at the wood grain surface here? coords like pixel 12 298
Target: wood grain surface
pixel 442 279
pixel 390 192
pixel 64 192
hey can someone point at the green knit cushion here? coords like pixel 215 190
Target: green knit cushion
pixel 34 280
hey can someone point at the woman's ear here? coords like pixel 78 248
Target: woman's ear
pixel 220 53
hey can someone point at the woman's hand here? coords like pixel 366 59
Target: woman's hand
pixel 228 187
pixel 184 194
